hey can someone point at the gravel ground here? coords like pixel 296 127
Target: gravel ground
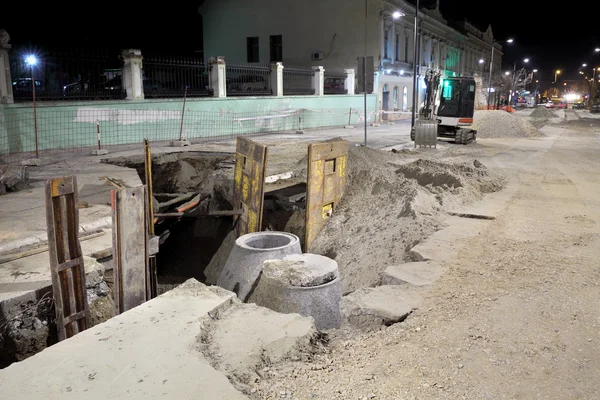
pixel 514 317
pixel 501 124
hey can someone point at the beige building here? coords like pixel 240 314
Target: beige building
pixel 334 33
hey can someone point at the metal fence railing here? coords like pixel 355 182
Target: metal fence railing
pixel 66 74
pixel 297 81
pixel 248 80
pixel 64 132
pixel 335 83
pixel 169 76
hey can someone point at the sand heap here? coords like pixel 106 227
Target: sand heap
pixel 390 205
pixel 542 113
pixel 501 124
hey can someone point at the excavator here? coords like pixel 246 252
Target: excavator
pixel 447 109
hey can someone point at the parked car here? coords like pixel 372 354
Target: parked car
pixel 22 86
pixel 578 106
pixel 549 104
pixel 115 84
pixel 563 104
pixel 247 83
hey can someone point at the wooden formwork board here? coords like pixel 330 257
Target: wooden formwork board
pixel 152 278
pixel 325 184
pixel 130 248
pixel 249 184
pixel 66 260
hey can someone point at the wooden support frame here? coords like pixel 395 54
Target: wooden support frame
pixel 325 184
pixel 152 277
pixel 249 185
pixel 130 248
pixel 66 260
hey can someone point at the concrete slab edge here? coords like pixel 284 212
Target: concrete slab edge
pixel 15 246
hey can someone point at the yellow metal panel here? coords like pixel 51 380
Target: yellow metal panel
pixel 326 184
pixel 248 191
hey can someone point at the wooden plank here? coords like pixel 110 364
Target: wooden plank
pixel 130 261
pixel 151 273
pixel 66 261
pixel 249 182
pixel 326 184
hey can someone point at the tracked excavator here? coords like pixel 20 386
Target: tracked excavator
pixel 447 110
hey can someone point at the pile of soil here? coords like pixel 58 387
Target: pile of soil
pixel 501 124
pixel 391 204
pixel 542 113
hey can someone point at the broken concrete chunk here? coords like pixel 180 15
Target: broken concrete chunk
pixel 382 305
pixel 14 177
pixel 302 270
pixel 416 273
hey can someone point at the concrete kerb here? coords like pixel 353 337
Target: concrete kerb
pixel 15 246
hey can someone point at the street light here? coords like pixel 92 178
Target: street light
pixel 597 49
pixel 584 65
pixel 507 73
pixel 526 60
pixel 481 61
pixel 31 60
pixel 491 67
pixel 397 14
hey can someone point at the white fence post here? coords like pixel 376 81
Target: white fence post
pixel 277 79
pixel 218 76
pixel 349 82
pixel 131 78
pixel 6 93
pixel 318 80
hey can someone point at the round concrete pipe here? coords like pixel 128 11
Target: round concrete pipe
pixel 250 251
pixel 307 284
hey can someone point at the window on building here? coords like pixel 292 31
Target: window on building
pixel 276 47
pixel 404 98
pixel 386 36
pixel 395 98
pixel 406 47
pixel 252 49
pixel 397 52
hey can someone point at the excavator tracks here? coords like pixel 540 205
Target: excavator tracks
pixel 465 136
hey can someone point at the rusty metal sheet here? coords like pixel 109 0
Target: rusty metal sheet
pixel 66 260
pixel 249 184
pixel 326 184
pixel 130 248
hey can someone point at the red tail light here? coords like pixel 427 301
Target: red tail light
pixel 466 120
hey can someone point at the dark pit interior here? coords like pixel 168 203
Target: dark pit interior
pixel 188 244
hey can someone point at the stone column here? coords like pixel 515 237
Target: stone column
pixel 218 76
pixel 350 81
pixel 277 79
pixel 131 79
pixel 6 93
pixel 318 80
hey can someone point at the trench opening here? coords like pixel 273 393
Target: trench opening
pixel 195 184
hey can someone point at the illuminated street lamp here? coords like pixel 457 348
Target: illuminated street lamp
pixel 584 65
pixel 597 49
pixel 31 60
pixel 507 73
pixel 481 61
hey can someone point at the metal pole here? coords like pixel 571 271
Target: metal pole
pixel 98 133
pixel 182 113
pixel 37 152
pixel 414 83
pixel 365 69
pixel 490 78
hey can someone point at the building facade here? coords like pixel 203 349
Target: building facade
pixel 334 34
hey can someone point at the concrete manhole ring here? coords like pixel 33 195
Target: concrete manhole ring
pixel 250 251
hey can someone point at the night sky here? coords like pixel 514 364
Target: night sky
pixel 550 39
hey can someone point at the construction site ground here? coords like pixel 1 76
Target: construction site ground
pixel 513 316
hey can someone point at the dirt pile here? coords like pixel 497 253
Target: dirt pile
pixel 391 204
pixel 542 113
pixel 501 124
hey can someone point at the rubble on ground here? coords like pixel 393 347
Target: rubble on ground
pixel 501 124
pixel 13 178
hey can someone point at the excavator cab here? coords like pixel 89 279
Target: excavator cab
pixel 448 108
